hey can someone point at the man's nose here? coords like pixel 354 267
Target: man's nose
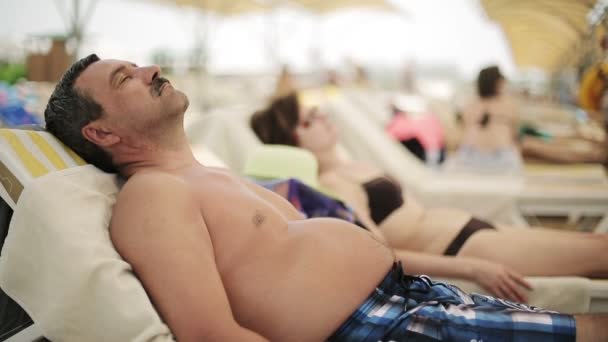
pixel 149 73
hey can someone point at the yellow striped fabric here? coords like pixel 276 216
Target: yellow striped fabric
pixel 48 151
pixel 76 158
pixel 31 163
pixel 25 155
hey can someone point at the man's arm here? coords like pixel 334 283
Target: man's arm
pixel 157 227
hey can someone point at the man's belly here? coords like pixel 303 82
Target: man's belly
pixel 302 286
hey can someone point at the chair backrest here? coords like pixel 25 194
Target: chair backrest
pixel 371 144
pixel 281 161
pixel 25 154
pixel 6 213
pixel 226 132
pixel 13 318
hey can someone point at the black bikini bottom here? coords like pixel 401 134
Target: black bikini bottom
pixel 472 227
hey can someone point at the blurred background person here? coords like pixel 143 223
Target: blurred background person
pixel 418 129
pixel 489 123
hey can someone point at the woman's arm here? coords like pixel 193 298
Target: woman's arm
pixel 495 278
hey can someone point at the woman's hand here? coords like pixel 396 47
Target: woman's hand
pixel 500 281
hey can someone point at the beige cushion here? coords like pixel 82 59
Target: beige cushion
pixel 58 261
pixel 59 264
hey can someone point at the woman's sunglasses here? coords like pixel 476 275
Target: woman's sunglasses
pixel 312 117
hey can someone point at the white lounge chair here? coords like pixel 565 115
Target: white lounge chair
pixel 367 142
pixel 569 294
pixel 227 134
pixel 375 106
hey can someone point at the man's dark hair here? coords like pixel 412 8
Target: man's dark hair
pixel 487 81
pixel 70 109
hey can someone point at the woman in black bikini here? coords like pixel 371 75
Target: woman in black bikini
pixel 429 239
pixel 489 129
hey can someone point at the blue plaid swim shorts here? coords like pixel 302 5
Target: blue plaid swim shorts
pixel 408 308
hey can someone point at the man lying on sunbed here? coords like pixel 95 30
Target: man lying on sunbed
pixel 225 260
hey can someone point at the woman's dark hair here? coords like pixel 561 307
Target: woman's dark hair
pixel 70 109
pixel 487 81
pixel 276 123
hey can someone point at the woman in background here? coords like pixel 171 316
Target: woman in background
pixel 490 126
pixel 439 242
pixel 493 138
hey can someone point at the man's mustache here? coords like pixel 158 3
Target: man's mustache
pixel 157 83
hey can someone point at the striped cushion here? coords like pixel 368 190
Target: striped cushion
pixel 25 155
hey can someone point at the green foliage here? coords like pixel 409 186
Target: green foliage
pixel 11 73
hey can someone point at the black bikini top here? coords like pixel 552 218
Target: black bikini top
pixel 384 195
pixel 485 120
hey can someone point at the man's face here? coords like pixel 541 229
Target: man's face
pixel 133 98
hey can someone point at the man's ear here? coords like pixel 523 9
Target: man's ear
pixel 99 135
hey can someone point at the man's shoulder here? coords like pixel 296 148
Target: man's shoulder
pixel 153 197
pixel 149 188
pixel 153 181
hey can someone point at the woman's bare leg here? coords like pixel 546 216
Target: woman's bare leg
pixel 563 151
pixel 542 252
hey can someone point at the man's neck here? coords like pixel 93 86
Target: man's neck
pixel 154 156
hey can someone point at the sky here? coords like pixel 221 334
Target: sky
pixel 453 33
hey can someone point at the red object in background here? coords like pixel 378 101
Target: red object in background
pixel 427 129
